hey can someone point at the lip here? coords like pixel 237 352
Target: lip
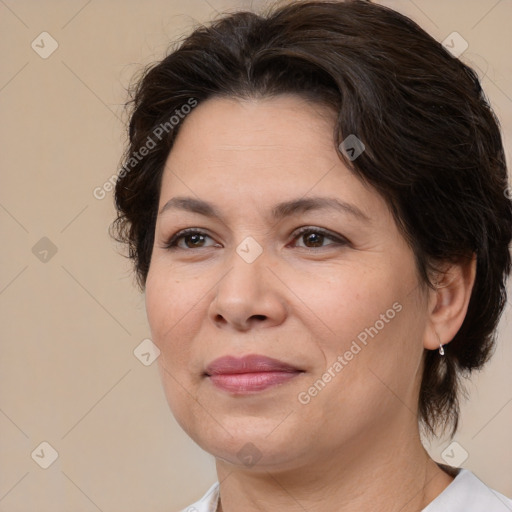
pixel 249 374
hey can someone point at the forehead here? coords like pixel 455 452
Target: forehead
pixel 261 151
pixel 286 126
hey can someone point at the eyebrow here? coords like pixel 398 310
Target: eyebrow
pixel 279 211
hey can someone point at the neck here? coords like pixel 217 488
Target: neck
pixel 391 474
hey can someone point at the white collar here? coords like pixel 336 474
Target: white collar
pixel 466 493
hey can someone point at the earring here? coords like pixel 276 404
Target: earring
pixel 441 349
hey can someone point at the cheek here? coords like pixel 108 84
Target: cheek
pixel 370 372
pixel 168 299
pixel 172 318
pixel 346 301
pixel 157 300
pixel 176 311
pixel 167 305
pixel 372 319
pixel 382 354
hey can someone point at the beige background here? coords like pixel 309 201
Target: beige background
pixel 70 324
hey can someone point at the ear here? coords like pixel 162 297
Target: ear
pixel 448 302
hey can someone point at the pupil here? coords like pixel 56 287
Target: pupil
pixel 314 239
pixel 195 239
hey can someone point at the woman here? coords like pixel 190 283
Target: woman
pixel 315 203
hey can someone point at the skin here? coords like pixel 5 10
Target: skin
pixel 303 300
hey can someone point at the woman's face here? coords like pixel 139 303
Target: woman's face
pixel 338 304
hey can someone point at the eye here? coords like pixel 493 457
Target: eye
pixel 315 237
pixel 190 238
pixel 311 237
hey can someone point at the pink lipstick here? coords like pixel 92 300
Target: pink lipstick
pixel 249 374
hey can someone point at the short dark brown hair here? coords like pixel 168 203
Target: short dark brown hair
pixel 433 145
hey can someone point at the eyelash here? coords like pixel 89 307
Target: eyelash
pixel 172 244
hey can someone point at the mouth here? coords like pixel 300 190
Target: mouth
pixel 249 374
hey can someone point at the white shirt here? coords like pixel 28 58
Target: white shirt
pixel 466 493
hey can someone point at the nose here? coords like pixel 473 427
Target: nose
pixel 248 296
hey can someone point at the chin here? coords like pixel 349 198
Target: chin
pixel 247 442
